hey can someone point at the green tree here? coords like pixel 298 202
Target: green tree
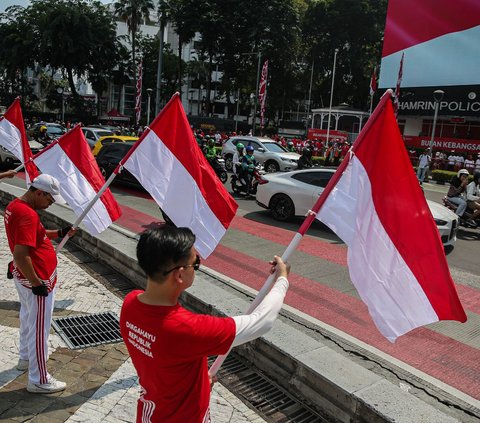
pixel 133 13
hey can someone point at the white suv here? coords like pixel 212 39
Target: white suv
pixel 272 155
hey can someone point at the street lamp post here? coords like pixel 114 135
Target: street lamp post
pixel 331 93
pixel 437 96
pixel 149 93
pixel 236 115
pixel 60 91
pixel 309 100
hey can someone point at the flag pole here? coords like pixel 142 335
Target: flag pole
pixel 87 209
pixel 310 218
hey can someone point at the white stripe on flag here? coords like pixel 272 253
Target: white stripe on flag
pixel 11 138
pixel 74 188
pixel 174 189
pixel 393 295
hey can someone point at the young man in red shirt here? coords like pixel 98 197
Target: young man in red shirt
pixel 35 274
pixel 168 344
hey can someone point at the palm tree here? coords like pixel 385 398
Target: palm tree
pixel 133 12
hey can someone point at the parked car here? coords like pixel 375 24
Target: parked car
pixel 109 140
pixel 294 193
pixel 93 134
pixel 272 155
pixel 54 130
pixel 108 159
pixel 8 160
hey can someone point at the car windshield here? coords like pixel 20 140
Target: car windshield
pixel 55 130
pixel 274 147
pixel 104 133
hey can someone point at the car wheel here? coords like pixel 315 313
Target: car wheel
pixel 282 207
pixel 229 162
pixel 271 167
pixel 223 177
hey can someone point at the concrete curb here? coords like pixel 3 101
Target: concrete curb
pixel 293 354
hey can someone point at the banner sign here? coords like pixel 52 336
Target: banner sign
pixel 443 144
pixel 321 135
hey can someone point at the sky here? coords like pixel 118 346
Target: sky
pixel 6 3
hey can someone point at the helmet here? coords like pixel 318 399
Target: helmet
pixel 307 152
pixel 211 142
pixel 43 128
pixel 290 143
pixel 240 146
pixel 249 149
pixel 463 172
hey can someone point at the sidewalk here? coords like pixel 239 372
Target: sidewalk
pixel 101 382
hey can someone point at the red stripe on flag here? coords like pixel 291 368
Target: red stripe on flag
pixel 74 144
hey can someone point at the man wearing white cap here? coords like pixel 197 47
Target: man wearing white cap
pixel 34 271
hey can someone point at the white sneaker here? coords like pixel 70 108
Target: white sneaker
pixel 22 365
pixel 52 386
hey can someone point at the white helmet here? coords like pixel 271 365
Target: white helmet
pixel 463 172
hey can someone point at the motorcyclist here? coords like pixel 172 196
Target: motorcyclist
pixel 248 166
pixel 305 159
pixel 210 151
pixel 237 160
pixel 456 192
pixel 291 147
pixel 473 195
pixel 43 137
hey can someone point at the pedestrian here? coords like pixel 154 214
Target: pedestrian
pixel 34 271
pixel 168 344
pixel 8 174
pixel 477 163
pixel 423 164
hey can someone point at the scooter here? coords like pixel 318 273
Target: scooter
pixel 218 165
pixel 467 218
pixel 239 185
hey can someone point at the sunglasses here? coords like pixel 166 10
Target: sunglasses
pixel 195 265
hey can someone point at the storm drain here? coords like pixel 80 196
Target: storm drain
pixel 270 401
pixel 88 330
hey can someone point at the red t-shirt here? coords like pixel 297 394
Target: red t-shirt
pixel 169 347
pixel 23 227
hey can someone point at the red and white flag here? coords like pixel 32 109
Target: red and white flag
pixel 14 138
pixel 138 97
pixel 373 82
pixel 262 91
pixel 169 164
pixel 396 99
pixel 71 161
pixel 395 255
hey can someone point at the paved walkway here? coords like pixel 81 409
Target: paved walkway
pixel 101 383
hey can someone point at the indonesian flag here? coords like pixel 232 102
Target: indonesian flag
pixel 262 91
pixel 395 255
pixel 373 82
pixel 169 164
pixel 71 161
pixel 396 99
pixel 138 97
pixel 14 138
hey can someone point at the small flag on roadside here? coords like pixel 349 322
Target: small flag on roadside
pixel 138 96
pixel 262 91
pixel 396 98
pixel 169 164
pixel 373 81
pixel 71 162
pixel 14 138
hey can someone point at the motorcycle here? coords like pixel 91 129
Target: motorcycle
pixel 218 165
pixel 240 185
pixel 467 218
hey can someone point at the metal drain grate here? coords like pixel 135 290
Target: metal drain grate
pixel 88 330
pixel 267 399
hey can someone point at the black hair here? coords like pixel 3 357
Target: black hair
pixel 161 248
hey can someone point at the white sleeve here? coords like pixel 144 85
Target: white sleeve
pixel 471 191
pixel 260 321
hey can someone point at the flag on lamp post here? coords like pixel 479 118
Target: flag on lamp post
pixel 373 82
pixel 396 99
pixel 262 91
pixel 138 98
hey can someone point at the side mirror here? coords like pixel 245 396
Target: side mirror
pixel 261 149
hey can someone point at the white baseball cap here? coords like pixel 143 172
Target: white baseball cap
pixel 48 183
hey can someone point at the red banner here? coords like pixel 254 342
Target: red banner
pixel 321 135
pixel 443 144
pixel 138 96
pixel 262 91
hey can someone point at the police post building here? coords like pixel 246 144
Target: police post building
pixel 440 40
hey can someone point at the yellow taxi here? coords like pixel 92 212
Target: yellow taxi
pixel 108 139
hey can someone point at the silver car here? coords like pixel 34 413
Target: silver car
pixel 272 155
pixel 92 134
pixel 8 160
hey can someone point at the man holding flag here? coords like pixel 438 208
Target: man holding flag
pixel 35 275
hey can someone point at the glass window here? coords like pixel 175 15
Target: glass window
pixel 318 179
pixel 274 147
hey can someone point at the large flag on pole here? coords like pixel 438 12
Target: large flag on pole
pixel 169 164
pixel 262 91
pixel 396 258
pixel 71 161
pixel 14 138
pixel 138 96
pixel 396 99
